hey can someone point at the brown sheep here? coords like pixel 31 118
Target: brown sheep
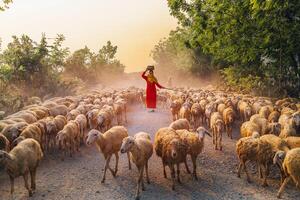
pixel 58 110
pixel 68 139
pixel 228 118
pixel 169 146
pixel 31 131
pixel 13 130
pixel 274 116
pixel 82 121
pixel 291 167
pixel 4 143
pixel 22 161
pixel 109 143
pixel 175 107
pixel 141 149
pixel 196 114
pixel 217 127
pixel 72 114
pixel 246 149
pixel 293 142
pixel 245 111
pixel 185 112
pixel 180 124
pixel 195 143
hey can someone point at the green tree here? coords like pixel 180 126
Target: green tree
pixel 4 4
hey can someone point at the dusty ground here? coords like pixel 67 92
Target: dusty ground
pixel 79 177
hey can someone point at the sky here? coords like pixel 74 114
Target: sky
pixel 135 26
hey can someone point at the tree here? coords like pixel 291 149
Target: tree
pixel 4 4
pixel 258 38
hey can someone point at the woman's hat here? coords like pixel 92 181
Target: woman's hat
pixel 150 67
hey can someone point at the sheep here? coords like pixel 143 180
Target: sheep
pixel 104 120
pixel 31 131
pixel 175 107
pixel 28 117
pixel 202 104
pixel 82 121
pixel 196 114
pixel 268 145
pixel 172 150
pixel 274 116
pixel 13 130
pixel 22 160
pixel 246 149
pixel 185 112
pixel 265 111
pixel 287 131
pixel 72 114
pixel 141 149
pixel 217 127
pixel 245 111
pixel 180 124
pixel 221 107
pixel 109 143
pixel 293 142
pixel 209 109
pixel 195 143
pixel 4 143
pixel 291 167
pixel 261 122
pixel 92 118
pixel 58 110
pixel 69 138
pixel 228 118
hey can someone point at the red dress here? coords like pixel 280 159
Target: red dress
pixel 151 92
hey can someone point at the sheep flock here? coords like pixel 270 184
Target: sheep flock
pixel 269 133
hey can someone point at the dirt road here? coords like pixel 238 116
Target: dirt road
pixel 79 177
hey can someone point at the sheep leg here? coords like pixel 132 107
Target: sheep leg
pixel 137 195
pixel 239 170
pixel 286 180
pixel 178 173
pixel 12 183
pixel 186 166
pixel 230 131
pixel 164 169
pixel 129 163
pixel 32 175
pixel 220 141
pixel 105 168
pixel 266 169
pixel 142 178
pixel 25 176
pixel 246 171
pixel 147 175
pixel 172 168
pixel 117 162
pixel 194 158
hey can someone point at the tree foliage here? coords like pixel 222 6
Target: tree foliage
pixel 255 37
pixel 4 4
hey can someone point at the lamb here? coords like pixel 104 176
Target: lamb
pixel 22 160
pixel 228 118
pixel 217 127
pixel 109 143
pixel 246 149
pixel 195 143
pixel 69 138
pixel 4 143
pixel 141 149
pixel 180 124
pixel 291 167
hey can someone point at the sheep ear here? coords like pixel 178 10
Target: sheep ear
pixel 208 133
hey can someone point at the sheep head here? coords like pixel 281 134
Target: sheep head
pixel 4 156
pixel 92 136
pixel 255 134
pixel 279 157
pixel 51 127
pixel 127 144
pixel 175 147
pixel 201 132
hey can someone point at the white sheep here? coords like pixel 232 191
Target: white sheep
pixel 141 149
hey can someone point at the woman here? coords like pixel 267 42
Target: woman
pixel 151 88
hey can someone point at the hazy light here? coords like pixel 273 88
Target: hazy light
pixel 134 25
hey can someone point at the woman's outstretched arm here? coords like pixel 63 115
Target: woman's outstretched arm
pixel 159 86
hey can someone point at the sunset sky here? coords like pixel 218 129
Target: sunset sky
pixel 135 26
